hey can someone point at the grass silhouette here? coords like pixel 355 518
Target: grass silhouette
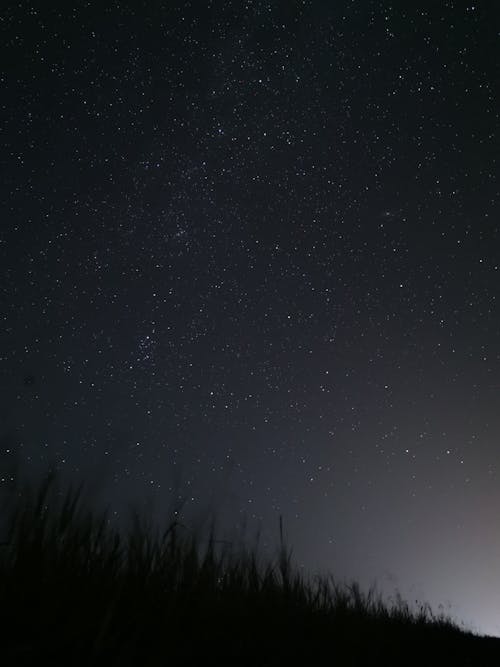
pixel 75 591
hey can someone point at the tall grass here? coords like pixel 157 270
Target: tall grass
pixel 76 591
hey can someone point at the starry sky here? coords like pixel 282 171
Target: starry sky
pixel 250 257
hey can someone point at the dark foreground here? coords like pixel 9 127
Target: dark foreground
pixel 74 592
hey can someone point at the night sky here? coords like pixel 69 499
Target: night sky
pixel 249 255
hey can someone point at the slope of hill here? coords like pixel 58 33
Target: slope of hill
pixel 73 591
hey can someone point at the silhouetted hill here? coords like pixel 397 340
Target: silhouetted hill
pixel 73 591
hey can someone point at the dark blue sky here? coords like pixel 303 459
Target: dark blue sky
pixel 250 255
